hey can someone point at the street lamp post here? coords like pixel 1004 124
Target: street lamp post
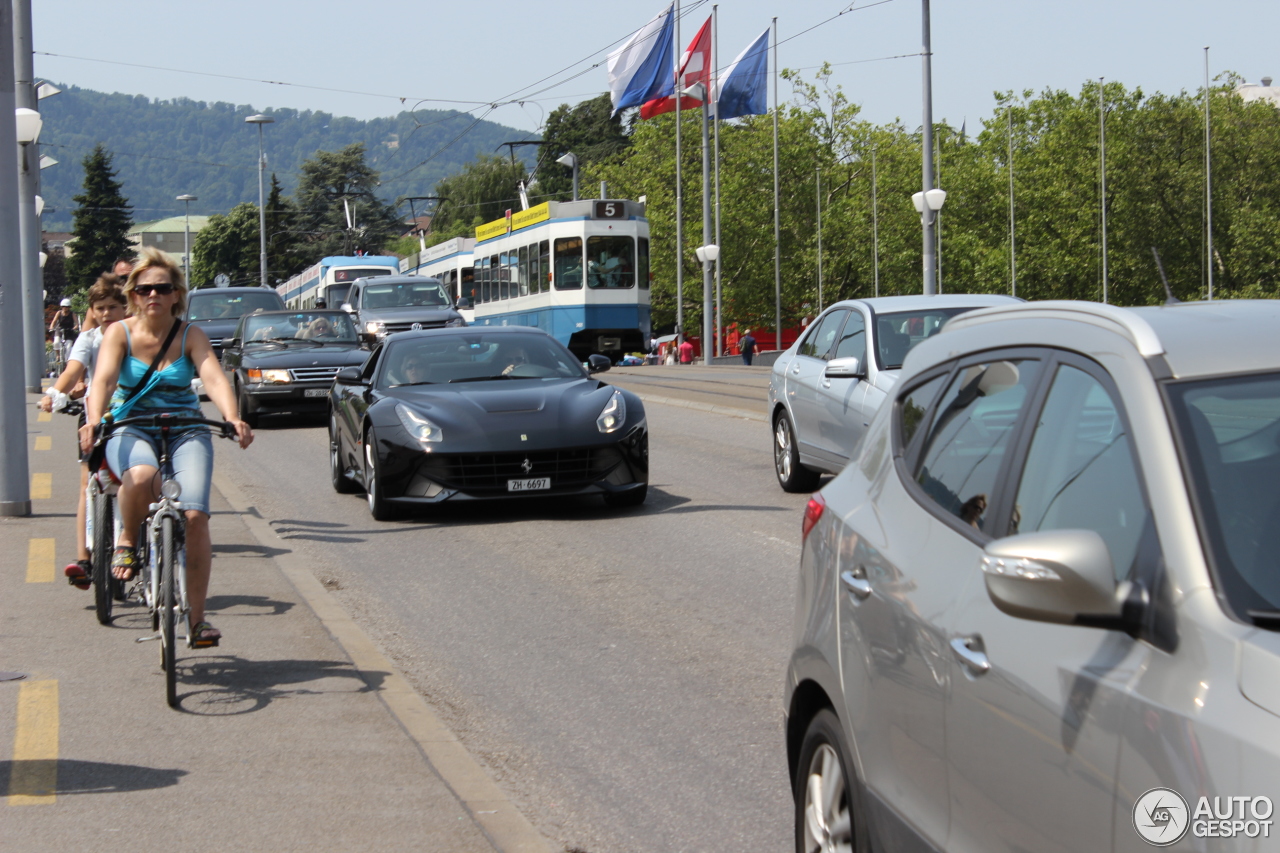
pixel 187 198
pixel 926 143
pixel 928 204
pixel 698 92
pixel 260 120
pixel 571 160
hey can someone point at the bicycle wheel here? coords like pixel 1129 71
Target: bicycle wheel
pixel 101 549
pixel 168 611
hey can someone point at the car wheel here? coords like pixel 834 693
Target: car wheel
pixel 825 795
pixel 247 414
pixel 378 506
pixel 635 497
pixel 337 473
pixel 792 476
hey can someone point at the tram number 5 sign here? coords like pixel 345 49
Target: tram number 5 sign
pixel 610 210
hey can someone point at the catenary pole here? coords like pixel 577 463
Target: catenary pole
pixel 1208 181
pixel 715 106
pixel 28 160
pixel 926 141
pixel 15 494
pixel 777 222
pixel 679 196
pixel 1102 151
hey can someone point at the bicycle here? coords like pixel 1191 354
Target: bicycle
pixel 161 583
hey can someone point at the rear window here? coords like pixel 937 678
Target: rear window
pixel 212 305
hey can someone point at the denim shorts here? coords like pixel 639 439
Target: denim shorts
pixel 190 452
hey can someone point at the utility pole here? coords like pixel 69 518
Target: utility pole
pixel 28 160
pixel 15 486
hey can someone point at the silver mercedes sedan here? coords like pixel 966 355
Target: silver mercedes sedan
pixel 1040 608
pixel 824 389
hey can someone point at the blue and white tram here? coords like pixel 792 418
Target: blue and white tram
pixel 331 279
pixel 578 270
pixel 451 262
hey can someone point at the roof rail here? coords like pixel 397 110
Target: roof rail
pixel 1130 324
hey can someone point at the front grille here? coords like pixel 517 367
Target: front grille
pixel 392 328
pixel 482 472
pixel 314 374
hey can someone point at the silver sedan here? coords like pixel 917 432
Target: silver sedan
pixel 1040 610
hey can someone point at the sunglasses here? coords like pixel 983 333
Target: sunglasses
pixel 148 289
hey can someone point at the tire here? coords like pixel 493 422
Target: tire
pixel 337 474
pixel 635 497
pixel 104 583
pixel 378 506
pixel 824 763
pixel 247 414
pixel 792 476
pixel 168 614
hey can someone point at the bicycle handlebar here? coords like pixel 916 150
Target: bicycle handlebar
pixel 165 421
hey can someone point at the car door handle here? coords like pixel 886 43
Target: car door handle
pixel 826 383
pixel 971 653
pixel 796 370
pixel 856 582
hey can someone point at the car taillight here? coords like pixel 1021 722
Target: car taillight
pixel 812 512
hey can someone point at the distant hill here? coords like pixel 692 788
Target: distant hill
pixel 165 148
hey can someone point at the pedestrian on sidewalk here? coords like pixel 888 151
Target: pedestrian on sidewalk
pixel 686 353
pixel 747 346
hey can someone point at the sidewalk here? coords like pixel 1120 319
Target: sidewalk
pixel 295 734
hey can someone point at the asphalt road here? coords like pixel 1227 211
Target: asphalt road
pixel 619 673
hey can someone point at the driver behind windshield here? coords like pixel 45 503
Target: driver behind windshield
pixel 513 356
pixel 320 327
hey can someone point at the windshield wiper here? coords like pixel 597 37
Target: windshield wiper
pixel 1268 619
pixel 480 378
pixel 410 384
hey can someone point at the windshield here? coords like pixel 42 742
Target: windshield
pixel 898 332
pixel 405 294
pixel 454 359
pixel 331 327
pixel 1230 430
pixel 212 305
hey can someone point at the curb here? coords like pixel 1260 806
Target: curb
pixel 506 828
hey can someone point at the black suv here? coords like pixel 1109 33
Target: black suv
pixel 387 304
pixel 217 310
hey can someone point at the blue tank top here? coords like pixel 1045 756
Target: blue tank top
pixel 168 389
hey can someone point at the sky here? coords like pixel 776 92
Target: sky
pixel 476 53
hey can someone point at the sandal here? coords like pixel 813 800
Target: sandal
pixel 203 636
pixel 78 574
pixel 124 562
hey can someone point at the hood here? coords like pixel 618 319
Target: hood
pixel 511 414
pixel 303 355
pixel 408 315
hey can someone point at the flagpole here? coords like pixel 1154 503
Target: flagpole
pixel 1208 185
pixel 1013 246
pixel 1102 142
pixel 926 141
pixel 875 222
pixel 715 105
pixel 818 198
pixel 708 316
pixel 777 222
pixel 937 216
pixel 679 195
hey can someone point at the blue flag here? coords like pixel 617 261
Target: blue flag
pixel 743 88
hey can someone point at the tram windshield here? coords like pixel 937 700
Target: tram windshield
pixel 611 262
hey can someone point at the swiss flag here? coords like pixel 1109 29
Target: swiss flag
pixel 695 67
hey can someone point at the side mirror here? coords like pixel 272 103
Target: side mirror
pixel 347 306
pixel 844 368
pixel 1062 576
pixel 464 302
pixel 597 363
pixel 349 376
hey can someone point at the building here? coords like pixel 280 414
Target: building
pixel 1264 92
pixel 167 234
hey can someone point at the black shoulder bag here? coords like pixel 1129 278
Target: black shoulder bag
pixel 99 451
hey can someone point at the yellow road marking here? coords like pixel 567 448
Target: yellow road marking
pixel 44 442
pixel 40 561
pixel 41 486
pixel 44 417
pixel 33 780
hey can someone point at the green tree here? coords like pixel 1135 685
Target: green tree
pixel 589 131
pixel 329 179
pixel 483 191
pixel 227 245
pixel 102 219
pixel 286 247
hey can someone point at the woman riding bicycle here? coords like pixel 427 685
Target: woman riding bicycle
pixel 157 298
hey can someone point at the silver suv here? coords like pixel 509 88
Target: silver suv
pixel 825 388
pixel 1040 610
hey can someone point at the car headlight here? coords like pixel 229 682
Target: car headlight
pixel 423 430
pixel 455 321
pixel 374 327
pixel 275 377
pixel 613 414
